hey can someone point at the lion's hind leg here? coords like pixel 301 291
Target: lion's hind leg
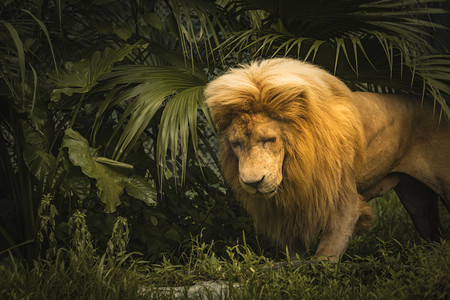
pixel 422 205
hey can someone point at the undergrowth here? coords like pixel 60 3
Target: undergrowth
pixel 390 261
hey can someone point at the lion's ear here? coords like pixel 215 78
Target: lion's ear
pixel 290 105
pixel 221 118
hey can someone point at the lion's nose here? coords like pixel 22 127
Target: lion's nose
pixel 252 182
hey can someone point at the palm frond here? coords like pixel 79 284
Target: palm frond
pixel 178 121
pixel 177 91
pixel 197 23
pixel 20 52
pixel 365 34
pixel 47 35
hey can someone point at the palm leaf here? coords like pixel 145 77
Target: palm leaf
pixel 197 22
pixel 179 119
pixel 20 51
pixel 47 35
pixel 177 91
pixel 360 30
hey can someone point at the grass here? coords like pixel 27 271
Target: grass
pixel 388 262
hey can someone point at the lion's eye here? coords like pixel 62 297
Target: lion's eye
pixel 269 140
pixel 236 144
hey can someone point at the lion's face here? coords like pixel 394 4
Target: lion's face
pixel 256 140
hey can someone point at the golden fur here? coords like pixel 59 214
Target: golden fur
pixel 324 142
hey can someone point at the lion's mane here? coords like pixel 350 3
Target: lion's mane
pixel 323 139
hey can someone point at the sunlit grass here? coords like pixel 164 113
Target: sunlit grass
pixel 389 261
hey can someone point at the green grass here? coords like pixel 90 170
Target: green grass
pixel 388 262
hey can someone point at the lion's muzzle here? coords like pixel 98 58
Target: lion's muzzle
pixel 250 185
pixel 264 184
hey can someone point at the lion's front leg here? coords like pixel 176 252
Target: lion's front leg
pixel 335 239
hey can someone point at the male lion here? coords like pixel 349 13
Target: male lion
pixel 304 154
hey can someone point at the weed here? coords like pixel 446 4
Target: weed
pixel 47 214
pixel 384 263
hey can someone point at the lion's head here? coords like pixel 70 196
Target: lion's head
pixel 288 140
pixel 256 141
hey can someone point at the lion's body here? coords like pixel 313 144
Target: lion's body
pixel 303 153
pixel 407 135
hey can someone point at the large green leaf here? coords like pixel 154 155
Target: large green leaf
pixel 76 184
pixel 139 188
pixel 38 160
pixel 35 153
pixel 82 76
pixel 111 176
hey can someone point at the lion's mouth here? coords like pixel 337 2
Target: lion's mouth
pixel 265 194
pixel 269 194
pixel 259 190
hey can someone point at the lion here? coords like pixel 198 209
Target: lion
pixel 304 154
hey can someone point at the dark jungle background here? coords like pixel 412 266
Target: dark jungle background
pixel 103 128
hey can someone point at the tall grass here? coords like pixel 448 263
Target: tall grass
pixel 390 261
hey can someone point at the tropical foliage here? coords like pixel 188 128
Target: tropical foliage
pixel 102 103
